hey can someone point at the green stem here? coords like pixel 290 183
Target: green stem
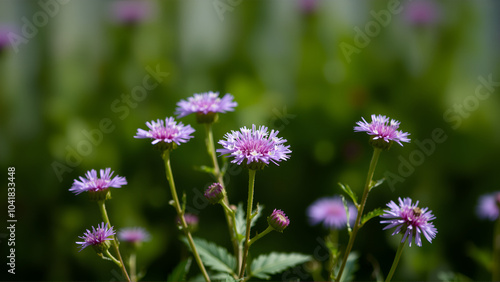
pixel 251 182
pixel 110 256
pixel 396 260
pixel 260 235
pixel 132 265
pixel 230 217
pixel 104 213
pixel 496 252
pixel 333 240
pixel 180 213
pixel 371 170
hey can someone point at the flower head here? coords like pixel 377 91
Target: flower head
pixel 214 193
pixel 133 235
pixel 255 147
pixel 167 132
pixel 422 12
pixel 206 106
pixel 489 206
pixel 131 11
pixel 411 220
pixel 278 220
pixel 98 238
pixel 331 212
pixel 383 134
pixel 98 187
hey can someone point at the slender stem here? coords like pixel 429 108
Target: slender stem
pixel 230 218
pixel 496 252
pixel 260 235
pixel 371 170
pixel 396 260
pixel 132 265
pixel 110 256
pixel 104 213
pixel 333 240
pixel 251 182
pixel 180 213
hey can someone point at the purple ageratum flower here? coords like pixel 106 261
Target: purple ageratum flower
pixel 422 12
pixel 278 220
pixel 489 206
pixel 331 211
pixel 214 193
pixel 411 220
pixel 205 104
pixel 167 131
pixel 133 235
pixel 132 11
pixel 379 129
pixel 256 147
pixel 97 238
pixel 95 184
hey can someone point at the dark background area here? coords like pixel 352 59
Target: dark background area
pixel 285 63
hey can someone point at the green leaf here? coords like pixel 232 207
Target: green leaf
pixel 351 267
pixel 377 183
pixel 350 193
pixel 204 168
pixel 452 277
pixel 213 256
pixel 372 214
pixel 265 265
pixel 346 207
pixel 180 271
pixel 241 223
pixel 481 256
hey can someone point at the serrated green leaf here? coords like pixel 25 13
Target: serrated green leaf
pixel 215 257
pixel 377 183
pixel 350 268
pixel 372 214
pixel 350 193
pixel 265 265
pixel 180 271
pixel 241 223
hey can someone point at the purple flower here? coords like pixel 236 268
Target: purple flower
pixel 257 147
pixel 331 211
pixel 488 206
pixel 133 235
pixel 411 220
pixel 278 220
pixel 97 238
pixel 214 193
pixel 132 11
pixel 379 129
pixel 94 184
pixel 422 12
pixel 167 131
pixel 191 221
pixel 4 36
pixel 205 104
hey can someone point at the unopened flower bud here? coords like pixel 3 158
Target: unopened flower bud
pixel 214 193
pixel 278 220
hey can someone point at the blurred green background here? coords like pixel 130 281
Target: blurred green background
pixel 310 69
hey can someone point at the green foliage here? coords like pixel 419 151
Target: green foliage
pixel 241 226
pixel 346 207
pixel 376 183
pixel 351 267
pixel 453 277
pixel 481 256
pixel 266 265
pixel 349 192
pixel 372 214
pixel 180 271
pixel 215 257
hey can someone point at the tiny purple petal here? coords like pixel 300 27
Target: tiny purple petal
pixel 167 131
pixel 205 103
pixel 132 11
pixel 410 219
pixel 94 183
pixel 331 211
pixel 96 236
